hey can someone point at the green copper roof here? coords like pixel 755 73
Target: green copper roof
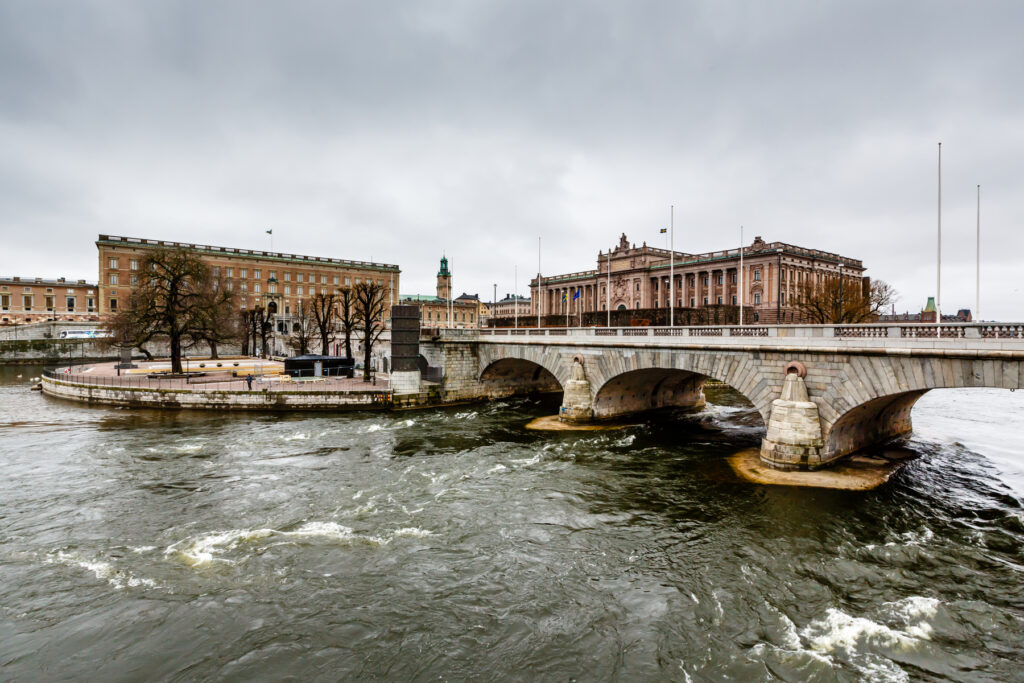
pixel 444 266
pixel 930 307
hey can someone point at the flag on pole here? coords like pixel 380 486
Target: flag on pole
pixel 576 295
pixel 564 297
pixel 270 232
pixel 663 231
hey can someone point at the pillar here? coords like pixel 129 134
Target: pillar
pixel 577 405
pixel 794 439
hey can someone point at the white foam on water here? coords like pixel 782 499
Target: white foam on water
pixel 203 550
pixel 625 441
pixel 142 548
pixel 913 613
pixel 839 632
pixel 497 468
pixel 410 532
pixel 374 428
pixel 299 436
pixel 528 461
pixel 470 415
pixel 104 571
pixel 359 494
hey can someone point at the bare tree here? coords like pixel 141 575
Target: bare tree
pixel 325 316
pixel 368 314
pixel 843 301
pixel 245 327
pixel 169 301
pixel 303 328
pixel 346 317
pixel 216 320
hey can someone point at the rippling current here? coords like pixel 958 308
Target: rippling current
pixel 454 544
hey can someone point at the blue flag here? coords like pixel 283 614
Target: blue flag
pixel 576 295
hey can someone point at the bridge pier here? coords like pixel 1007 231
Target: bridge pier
pixel 793 439
pixel 577 405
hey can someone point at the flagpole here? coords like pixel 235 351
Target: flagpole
pixel 608 291
pixel 539 297
pixel 515 294
pixel 977 284
pixel 672 266
pixel 938 258
pixel 741 275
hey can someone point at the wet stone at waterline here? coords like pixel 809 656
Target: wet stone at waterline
pixel 457 544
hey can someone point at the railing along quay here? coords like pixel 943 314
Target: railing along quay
pixel 974 332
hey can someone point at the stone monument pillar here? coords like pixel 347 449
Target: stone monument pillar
pixel 576 403
pixel 794 439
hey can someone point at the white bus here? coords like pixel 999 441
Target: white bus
pixel 82 334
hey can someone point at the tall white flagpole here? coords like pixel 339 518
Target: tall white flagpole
pixel 672 266
pixel 938 259
pixel 515 294
pixel 608 290
pixel 977 284
pixel 539 297
pixel 741 275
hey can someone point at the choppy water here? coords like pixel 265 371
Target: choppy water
pixel 454 544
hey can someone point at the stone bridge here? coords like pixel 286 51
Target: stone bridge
pixel 823 391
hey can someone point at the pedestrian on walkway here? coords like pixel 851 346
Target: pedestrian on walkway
pixel 248 380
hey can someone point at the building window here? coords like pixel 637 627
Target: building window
pixel 705 301
pixel 113 278
pixel 5 302
pixel 757 275
pixel 243 272
pixel 245 286
pixel 231 286
pixel 134 264
pixel 335 279
pixel 348 281
pixel 298 290
pixel 757 298
pixel 273 288
pixel 273 275
pixel 782 298
pixel 216 271
pixel 256 273
pixel 719 301
pixel 112 263
pixel 134 280
pixel 113 305
pixel 693 302
pixel 734 300
pixel 231 272
pixel 288 289
pixel 256 287
pixel 718 280
pixel 91 303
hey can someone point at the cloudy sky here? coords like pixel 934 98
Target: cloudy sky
pixel 400 130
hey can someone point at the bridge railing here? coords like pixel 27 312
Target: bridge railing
pixel 904 331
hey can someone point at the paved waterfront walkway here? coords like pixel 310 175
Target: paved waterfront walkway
pixel 267 377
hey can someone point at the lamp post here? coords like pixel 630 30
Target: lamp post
pixel 494 303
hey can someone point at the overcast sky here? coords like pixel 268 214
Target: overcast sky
pixel 400 130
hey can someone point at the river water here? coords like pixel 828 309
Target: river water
pixel 453 544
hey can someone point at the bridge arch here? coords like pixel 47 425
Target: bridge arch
pixel 871 400
pixel 650 380
pixel 519 370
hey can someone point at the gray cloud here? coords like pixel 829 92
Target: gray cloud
pixel 398 131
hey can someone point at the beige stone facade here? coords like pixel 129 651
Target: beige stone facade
pixel 277 280
pixel 29 300
pixel 630 277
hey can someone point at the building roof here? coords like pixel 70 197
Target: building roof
pixel 59 282
pixel 468 297
pixel 139 243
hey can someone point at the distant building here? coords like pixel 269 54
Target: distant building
pixel 927 315
pixel 435 309
pixel 507 307
pixel 631 277
pixel 28 300
pixel 274 280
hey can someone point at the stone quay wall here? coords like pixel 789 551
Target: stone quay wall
pixel 270 400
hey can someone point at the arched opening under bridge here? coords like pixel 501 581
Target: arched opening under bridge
pixel 518 377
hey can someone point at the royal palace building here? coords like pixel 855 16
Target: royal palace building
pixel 637 278
pixel 275 280
pixel 440 309
pixel 28 300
